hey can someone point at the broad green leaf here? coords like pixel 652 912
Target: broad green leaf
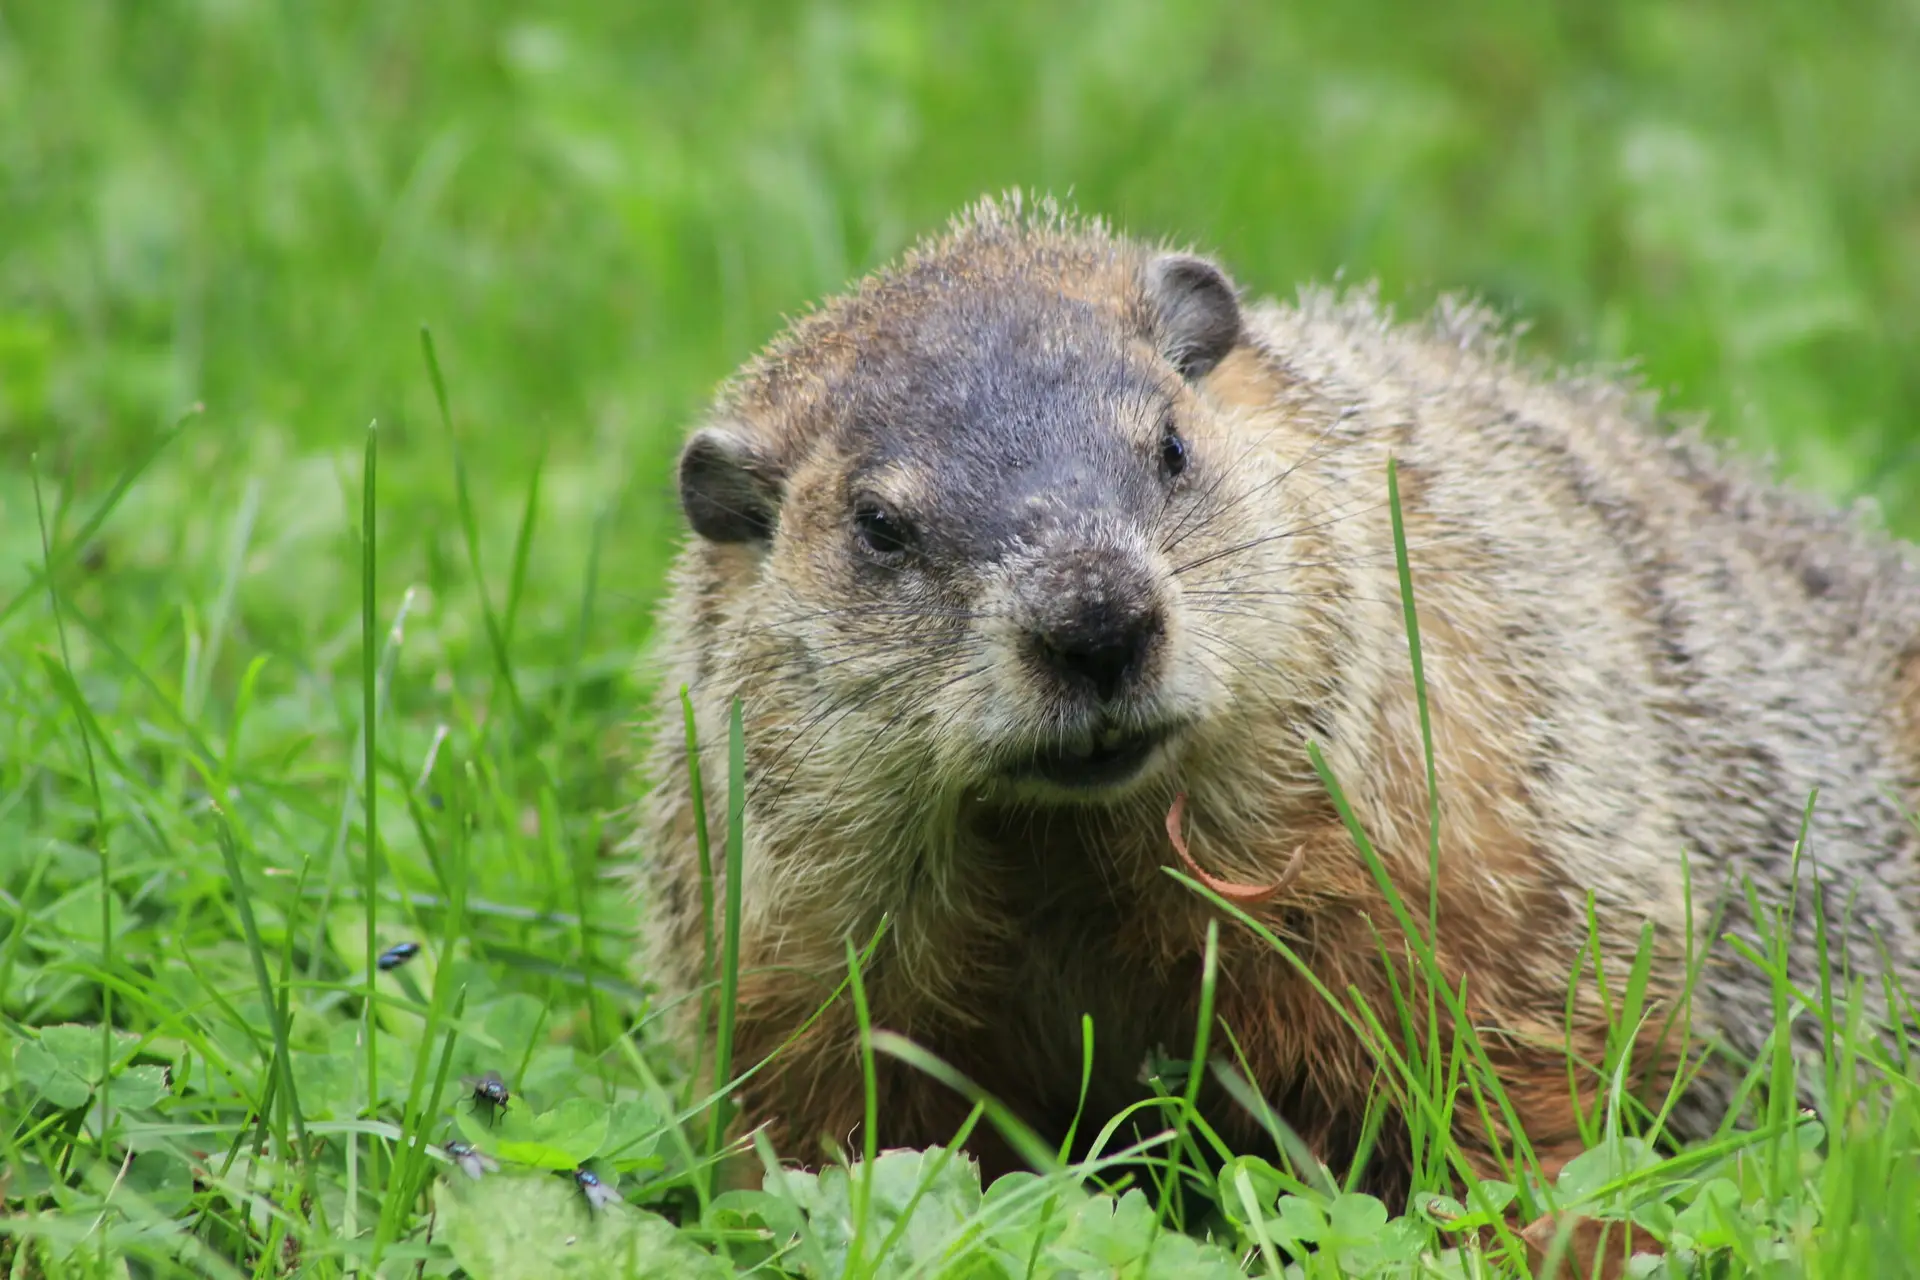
pixel 1494 1194
pixel 1300 1221
pixel 1588 1172
pixel 77 916
pixel 77 1045
pixel 776 1219
pixel 165 1180
pixel 136 1088
pixel 558 1139
pixel 1356 1217
pixel 633 1132
pixel 1040 1215
pixel 1452 1215
pixel 1268 1185
pixel 1124 1237
pixel 934 1191
pixel 1702 1224
pixel 510 1226
pixel 51 1077
pixel 512 1021
pixel 328 1083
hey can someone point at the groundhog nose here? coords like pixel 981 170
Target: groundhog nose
pixel 1100 651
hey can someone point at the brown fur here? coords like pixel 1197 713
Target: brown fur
pixel 1633 653
pixel 1907 704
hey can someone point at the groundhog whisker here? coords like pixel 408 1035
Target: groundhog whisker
pixel 1223 476
pixel 1304 627
pixel 853 765
pixel 1211 648
pixel 944 614
pixel 817 714
pixel 1302 613
pixel 1315 626
pixel 1385 560
pixel 1222 588
pixel 1204 514
pixel 1249 600
pixel 1204 510
pixel 877 684
pixel 1324 516
pixel 1278 595
pixel 853 648
pixel 824 720
pixel 1281 536
pixel 1212 644
pixel 930 747
pixel 856 649
pixel 941 727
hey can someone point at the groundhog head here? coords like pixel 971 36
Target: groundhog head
pixel 964 506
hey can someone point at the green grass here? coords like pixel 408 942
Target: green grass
pixel 268 706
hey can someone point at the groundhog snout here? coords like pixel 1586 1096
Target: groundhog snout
pixel 1095 625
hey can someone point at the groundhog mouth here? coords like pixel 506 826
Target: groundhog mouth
pixel 1092 761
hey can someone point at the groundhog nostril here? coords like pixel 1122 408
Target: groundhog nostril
pixel 1101 657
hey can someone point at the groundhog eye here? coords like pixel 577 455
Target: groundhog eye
pixel 1173 452
pixel 881 531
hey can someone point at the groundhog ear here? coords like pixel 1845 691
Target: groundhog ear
pixel 1196 312
pixel 729 492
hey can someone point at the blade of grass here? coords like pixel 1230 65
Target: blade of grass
pixel 1086 1082
pixel 1405 567
pixel 193 695
pixel 1362 1021
pixel 935 1167
pixel 469 525
pixel 1430 1061
pixel 408 1175
pixel 700 1106
pixel 698 798
pixel 1256 1220
pixel 369 779
pixel 1422 952
pixel 862 1189
pixel 1307 1173
pixel 56 561
pixel 579 859
pixel 1171 1199
pixel 62 681
pixel 319 1208
pixel 100 636
pixel 84 717
pixel 730 946
pixel 17 933
pixel 411 1160
pixel 1018 1134
pixel 256 953
pixel 589 598
pixel 522 548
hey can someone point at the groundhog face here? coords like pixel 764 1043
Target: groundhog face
pixel 967 496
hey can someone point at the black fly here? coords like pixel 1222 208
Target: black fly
pixel 472 1161
pixel 396 955
pixel 489 1091
pixel 598 1194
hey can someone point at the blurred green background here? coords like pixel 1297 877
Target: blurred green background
pixel 600 209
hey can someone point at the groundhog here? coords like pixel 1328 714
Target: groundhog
pixel 1042 529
